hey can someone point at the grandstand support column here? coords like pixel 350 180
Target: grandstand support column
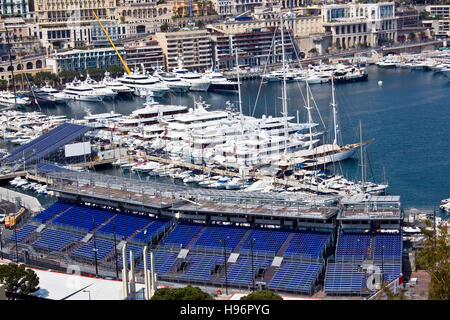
pixel 132 276
pixel 124 272
pixel 153 283
pixel 146 275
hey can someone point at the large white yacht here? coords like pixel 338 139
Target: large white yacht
pixel 197 81
pixel 115 85
pixel 144 84
pixel 100 87
pixel 219 82
pixel 7 99
pixel 57 96
pixel 173 81
pixel 77 90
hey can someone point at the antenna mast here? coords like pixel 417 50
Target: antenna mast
pixel 283 98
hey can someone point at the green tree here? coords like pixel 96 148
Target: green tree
pixel 3 84
pixel 389 295
pixel 18 280
pixel 116 70
pixel 412 36
pixel 186 293
pixel 165 27
pixel 262 295
pixel 41 77
pixel 435 259
pixel 68 75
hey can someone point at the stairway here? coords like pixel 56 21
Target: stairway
pixel 285 245
pixel 242 241
pixel 370 249
pixel 194 239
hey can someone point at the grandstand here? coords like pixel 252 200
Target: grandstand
pixel 45 144
pixel 369 246
pixel 287 251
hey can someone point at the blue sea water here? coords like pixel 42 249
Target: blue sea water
pixel 408 116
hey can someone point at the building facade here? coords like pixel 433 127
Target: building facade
pixel 14 8
pixel 64 24
pixel 143 16
pixel 193 47
pixel 144 52
pixel 439 11
pixel 80 60
pixel 255 47
pixel 353 24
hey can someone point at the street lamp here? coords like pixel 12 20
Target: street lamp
pixel 89 292
pixel 225 262
pixel 95 249
pixel 253 272
pixel 1 243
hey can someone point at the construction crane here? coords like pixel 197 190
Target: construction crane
pixel 117 52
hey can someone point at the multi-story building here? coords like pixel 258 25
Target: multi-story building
pixel 143 16
pixel 354 24
pixel 116 32
pixel 440 24
pixel 301 25
pixel 193 47
pixel 14 8
pixel 439 11
pixel 62 23
pixel 439 28
pixel 144 52
pixel 255 47
pixel 19 34
pixel 80 60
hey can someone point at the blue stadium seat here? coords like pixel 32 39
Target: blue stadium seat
pixel 51 211
pixel 56 240
pixel 182 234
pixel 22 233
pixel 104 247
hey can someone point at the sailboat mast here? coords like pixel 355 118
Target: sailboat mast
pixel 283 98
pixel 308 107
pixel 239 90
pixel 362 158
pixel 333 104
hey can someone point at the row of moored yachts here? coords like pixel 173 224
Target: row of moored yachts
pixel 139 83
pixel 316 74
pixel 438 62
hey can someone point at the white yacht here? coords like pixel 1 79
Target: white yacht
pixel 175 83
pixel 78 90
pixel 197 81
pixel 115 85
pixel 142 83
pixel 100 87
pixel 57 96
pixel 219 82
pixel 7 99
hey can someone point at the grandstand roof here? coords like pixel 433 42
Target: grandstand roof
pixel 46 143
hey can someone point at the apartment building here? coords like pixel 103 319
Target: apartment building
pixel 255 47
pixel 80 60
pixel 301 25
pixel 15 7
pixel 440 25
pixel 193 47
pixel 146 52
pixel 143 16
pixel 355 24
pixel 63 24
pixel 439 11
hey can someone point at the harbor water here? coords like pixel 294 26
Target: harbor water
pixel 408 116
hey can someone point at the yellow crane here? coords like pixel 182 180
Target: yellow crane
pixel 118 54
